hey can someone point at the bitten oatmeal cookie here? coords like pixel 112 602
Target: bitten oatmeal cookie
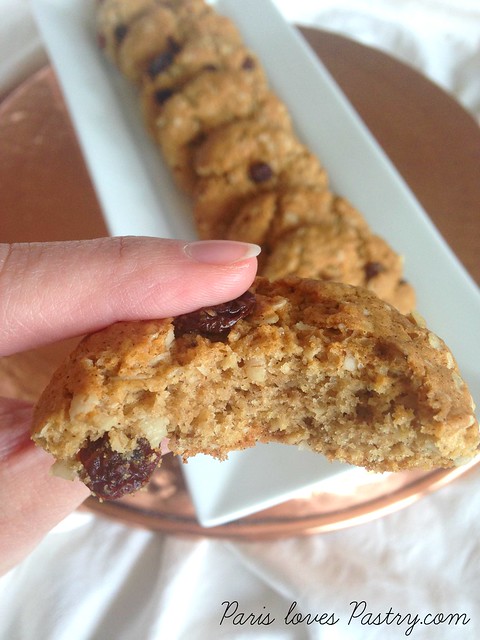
pixel 302 362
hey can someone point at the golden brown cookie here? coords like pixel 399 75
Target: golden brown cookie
pixel 313 234
pixel 342 253
pixel 115 22
pixel 264 218
pixel 215 55
pixel 113 19
pixel 211 99
pixel 154 39
pixel 242 159
pixel 151 38
pixel 315 364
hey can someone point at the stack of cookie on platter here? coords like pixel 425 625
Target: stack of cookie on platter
pixel 303 357
pixel 230 144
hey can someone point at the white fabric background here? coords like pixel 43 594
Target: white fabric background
pixel 95 579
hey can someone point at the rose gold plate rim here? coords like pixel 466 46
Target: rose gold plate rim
pixel 282 521
pixel 166 506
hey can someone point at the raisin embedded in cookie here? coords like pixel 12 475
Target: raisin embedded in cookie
pixel 151 41
pixel 302 362
pixel 115 22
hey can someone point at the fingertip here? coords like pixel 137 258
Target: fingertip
pixel 201 286
pixel 98 282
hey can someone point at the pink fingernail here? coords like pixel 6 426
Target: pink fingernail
pixel 221 252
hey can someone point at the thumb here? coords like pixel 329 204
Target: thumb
pixel 32 501
pixel 51 291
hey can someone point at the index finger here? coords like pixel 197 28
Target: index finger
pixel 51 291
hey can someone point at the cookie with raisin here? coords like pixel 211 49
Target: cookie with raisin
pixel 210 101
pixel 341 252
pixel 229 61
pixel 114 18
pixel 307 363
pixel 264 218
pixel 151 41
pixel 242 159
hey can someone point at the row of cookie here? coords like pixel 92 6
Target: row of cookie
pixel 230 144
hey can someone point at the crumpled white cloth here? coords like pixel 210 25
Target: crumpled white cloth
pixel 94 579
pixel 441 38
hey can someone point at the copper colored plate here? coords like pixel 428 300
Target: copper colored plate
pixel 166 506
pixel 46 194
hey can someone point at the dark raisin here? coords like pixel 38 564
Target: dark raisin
pixel 215 322
pixel 372 269
pixel 120 32
pixel 248 64
pixel 260 172
pixel 162 95
pixel 165 59
pixel 160 63
pixel 109 474
pixel 174 46
pixel 198 139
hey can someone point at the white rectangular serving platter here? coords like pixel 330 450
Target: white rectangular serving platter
pixel 138 197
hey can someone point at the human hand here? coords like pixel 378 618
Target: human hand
pixel 53 291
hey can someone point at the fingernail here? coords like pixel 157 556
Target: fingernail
pixel 221 252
